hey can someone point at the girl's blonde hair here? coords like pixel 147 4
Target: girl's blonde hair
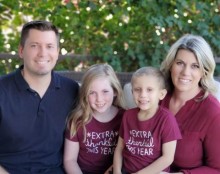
pixel 82 114
pixel 204 56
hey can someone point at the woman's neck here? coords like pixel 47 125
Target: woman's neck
pixel 184 96
pixel 179 98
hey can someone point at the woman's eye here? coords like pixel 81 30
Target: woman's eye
pixel 195 66
pixel 50 46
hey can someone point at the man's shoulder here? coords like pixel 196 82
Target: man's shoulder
pixel 7 78
pixel 7 82
pixel 65 80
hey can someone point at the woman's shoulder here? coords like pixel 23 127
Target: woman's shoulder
pixel 211 102
pixel 210 108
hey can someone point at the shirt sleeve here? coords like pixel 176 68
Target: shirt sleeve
pixel 171 130
pixel 68 136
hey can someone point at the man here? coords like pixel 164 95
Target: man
pixel 34 105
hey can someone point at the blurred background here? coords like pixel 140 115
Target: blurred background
pixel 127 34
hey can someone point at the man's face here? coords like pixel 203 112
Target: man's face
pixel 40 52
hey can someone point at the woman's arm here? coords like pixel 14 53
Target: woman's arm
pixel 71 151
pixel 117 162
pixel 168 151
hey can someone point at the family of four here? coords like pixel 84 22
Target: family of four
pixel 50 125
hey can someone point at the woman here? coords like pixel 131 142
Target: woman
pixel 189 68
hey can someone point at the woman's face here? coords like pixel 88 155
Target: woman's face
pixel 185 71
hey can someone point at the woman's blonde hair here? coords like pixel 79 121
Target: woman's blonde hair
pixel 203 53
pixel 82 114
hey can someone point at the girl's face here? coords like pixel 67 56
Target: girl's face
pixel 186 72
pixel 101 95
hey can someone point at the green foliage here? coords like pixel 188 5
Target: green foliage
pixel 127 34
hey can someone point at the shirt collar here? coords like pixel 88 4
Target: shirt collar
pixel 23 85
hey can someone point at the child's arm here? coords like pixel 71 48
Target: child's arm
pixel 3 171
pixel 71 151
pixel 117 162
pixel 168 151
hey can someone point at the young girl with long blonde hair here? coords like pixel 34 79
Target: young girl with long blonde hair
pixel 92 130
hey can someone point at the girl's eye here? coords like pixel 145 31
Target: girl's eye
pixel 91 93
pixel 105 91
pixel 179 63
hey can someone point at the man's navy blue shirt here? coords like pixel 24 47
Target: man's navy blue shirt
pixel 32 128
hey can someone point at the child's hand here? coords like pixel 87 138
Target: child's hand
pixel 109 170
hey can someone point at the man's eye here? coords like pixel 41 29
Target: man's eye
pixel 33 46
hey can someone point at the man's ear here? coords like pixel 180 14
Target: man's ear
pixel 163 93
pixel 20 51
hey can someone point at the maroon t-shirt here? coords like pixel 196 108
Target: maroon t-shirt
pixel 96 153
pixel 143 139
pixel 198 152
